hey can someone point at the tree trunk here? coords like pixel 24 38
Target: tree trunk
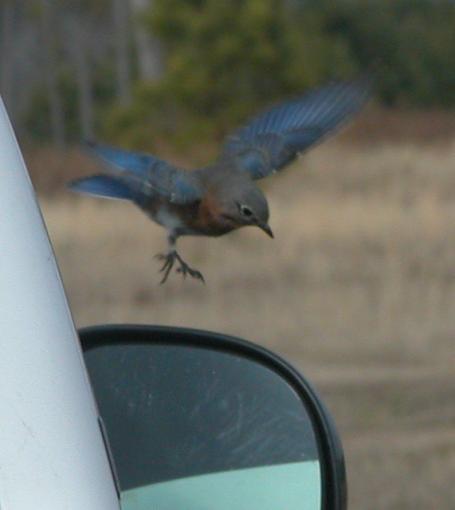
pixel 78 48
pixel 84 83
pixel 48 24
pixel 6 68
pixel 122 53
pixel 148 48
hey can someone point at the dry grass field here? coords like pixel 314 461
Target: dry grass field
pixel 357 290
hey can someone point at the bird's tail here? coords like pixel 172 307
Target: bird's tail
pixel 105 186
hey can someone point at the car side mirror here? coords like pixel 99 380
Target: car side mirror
pixel 199 420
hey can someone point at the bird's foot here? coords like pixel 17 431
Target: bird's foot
pixel 185 269
pixel 169 260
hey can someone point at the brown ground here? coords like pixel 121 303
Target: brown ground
pixel 358 290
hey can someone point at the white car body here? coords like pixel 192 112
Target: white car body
pixel 52 454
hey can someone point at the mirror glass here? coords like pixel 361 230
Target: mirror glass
pixel 191 428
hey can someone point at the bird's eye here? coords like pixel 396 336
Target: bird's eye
pixel 246 211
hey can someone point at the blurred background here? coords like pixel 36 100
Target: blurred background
pixel 358 288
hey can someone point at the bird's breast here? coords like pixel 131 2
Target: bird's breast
pixel 192 219
pixel 208 219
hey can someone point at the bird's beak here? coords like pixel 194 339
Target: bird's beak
pixel 266 228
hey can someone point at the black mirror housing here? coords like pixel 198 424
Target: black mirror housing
pixel 180 403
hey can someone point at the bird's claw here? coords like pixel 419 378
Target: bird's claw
pixel 169 261
pixel 185 269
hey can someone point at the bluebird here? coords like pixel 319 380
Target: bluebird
pixel 223 196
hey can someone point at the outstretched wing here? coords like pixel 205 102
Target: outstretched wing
pixel 273 139
pixel 136 175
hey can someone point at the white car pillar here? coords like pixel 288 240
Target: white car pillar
pixel 52 454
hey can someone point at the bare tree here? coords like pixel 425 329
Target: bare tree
pixel 78 43
pixel 148 48
pixel 48 26
pixel 121 20
pixel 6 68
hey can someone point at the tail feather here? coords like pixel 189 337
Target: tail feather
pixel 102 186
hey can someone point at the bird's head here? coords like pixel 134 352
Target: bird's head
pixel 245 206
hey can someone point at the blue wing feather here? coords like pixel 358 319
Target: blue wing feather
pixel 274 138
pixel 135 162
pixel 145 176
pixel 102 186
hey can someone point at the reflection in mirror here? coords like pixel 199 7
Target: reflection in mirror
pixel 193 428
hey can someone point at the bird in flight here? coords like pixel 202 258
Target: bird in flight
pixel 223 196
